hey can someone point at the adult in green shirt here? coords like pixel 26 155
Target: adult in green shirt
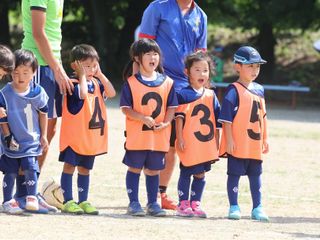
pixel 42 35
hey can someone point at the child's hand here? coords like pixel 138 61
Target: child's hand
pixel 265 147
pixel 98 73
pixel 230 146
pixel 44 143
pixel 181 144
pixel 11 143
pixel 160 126
pixel 79 69
pixel 3 112
pixel 149 121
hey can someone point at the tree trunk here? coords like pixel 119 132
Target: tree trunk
pixel 266 46
pixel 4 23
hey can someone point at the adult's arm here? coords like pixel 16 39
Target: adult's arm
pixel 38 18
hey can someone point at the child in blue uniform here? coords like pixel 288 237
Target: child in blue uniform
pixel 197 134
pixel 148 100
pixel 244 138
pixel 83 133
pixel 26 106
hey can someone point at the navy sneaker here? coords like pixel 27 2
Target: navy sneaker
pixel 135 209
pixel 155 210
pixel 22 204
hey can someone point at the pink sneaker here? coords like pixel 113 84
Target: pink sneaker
pixel 184 209
pixel 197 211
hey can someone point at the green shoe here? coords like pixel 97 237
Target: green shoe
pixel 72 207
pixel 88 208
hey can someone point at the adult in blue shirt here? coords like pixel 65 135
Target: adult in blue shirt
pixel 180 28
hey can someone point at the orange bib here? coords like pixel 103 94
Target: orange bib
pixel 247 126
pixel 150 101
pixel 86 132
pixel 199 130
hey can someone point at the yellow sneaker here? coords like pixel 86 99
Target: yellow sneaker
pixel 88 208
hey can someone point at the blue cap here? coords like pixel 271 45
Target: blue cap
pixel 248 55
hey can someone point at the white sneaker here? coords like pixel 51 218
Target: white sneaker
pixel 32 203
pixel 12 207
pixel 46 205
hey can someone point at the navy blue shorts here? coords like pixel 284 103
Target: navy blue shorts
pixel 241 167
pixel 153 160
pixel 196 169
pixel 75 159
pixel 45 77
pixel 12 165
pixel 173 133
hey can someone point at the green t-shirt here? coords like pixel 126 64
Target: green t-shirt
pixel 218 69
pixel 53 10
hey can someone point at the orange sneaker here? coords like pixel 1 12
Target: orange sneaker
pixel 167 203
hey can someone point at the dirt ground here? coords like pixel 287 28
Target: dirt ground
pixel 291 194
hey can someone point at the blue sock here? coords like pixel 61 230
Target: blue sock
pixel 152 185
pixel 255 186
pixel 83 187
pixel 132 184
pixel 184 186
pixel 232 188
pixel 7 186
pixel 197 188
pixel 66 185
pixel 21 188
pixel 31 181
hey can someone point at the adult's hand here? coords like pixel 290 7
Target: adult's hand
pixel 65 84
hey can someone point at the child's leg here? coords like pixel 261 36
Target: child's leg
pixel 152 185
pixel 21 188
pixel 232 187
pixel 31 181
pixel 255 187
pixel 132 184
pixel 66 181
pixel 197 187
pixel 83 184
pixel 184 185
pixel 8 184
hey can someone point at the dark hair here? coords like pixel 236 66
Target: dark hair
pixel 137 49
pixel 26 57
pixel 199 56
pixel 83 52
pixel 6 59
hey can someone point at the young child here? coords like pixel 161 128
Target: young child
pixel 244 137
pixel 197 134
pixel 84 132
pixel 26 106
pixel 148 100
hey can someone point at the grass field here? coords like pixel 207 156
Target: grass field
pixel 291 194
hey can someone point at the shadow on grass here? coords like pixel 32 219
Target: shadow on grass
pixel 304 235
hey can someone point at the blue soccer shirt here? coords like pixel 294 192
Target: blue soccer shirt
pixel 177 35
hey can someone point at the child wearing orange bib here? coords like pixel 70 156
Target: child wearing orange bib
pixel 244 137
pixel 148 100
pixel 197 134
pixel 84 132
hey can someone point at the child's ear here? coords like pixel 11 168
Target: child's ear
pixel 73 66
pixel 237 67
pixel 186 72
pixel 136 59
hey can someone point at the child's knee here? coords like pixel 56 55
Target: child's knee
pixel 199 175
pixel 151 172
pixel 134 170
pixel 68 168
pixel 83 171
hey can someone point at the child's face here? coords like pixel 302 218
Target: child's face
pixel 150 62
pixel 199 74
pixel 248 72
pixel 90 66
pixel 2 73
pixel 22 76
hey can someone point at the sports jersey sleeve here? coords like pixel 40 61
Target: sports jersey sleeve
pixel 43 103
pixel 217 110
pixel 202 41
pixel 150 22
pixel 230 105
pixel 180 109
pixel 3 105
pixel 38 5
pixel 126 96
pixel 172 99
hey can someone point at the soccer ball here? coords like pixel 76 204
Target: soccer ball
pixel 52 193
